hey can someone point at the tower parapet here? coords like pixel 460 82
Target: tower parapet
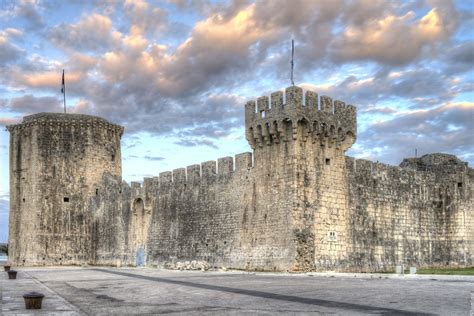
pixel 76 121
pixel 270 121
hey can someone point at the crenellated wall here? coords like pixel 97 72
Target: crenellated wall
pixel 420 213
pixel 212 212
pixel 297 203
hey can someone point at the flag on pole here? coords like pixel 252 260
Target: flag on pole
pixel 62 83
pixel 63 91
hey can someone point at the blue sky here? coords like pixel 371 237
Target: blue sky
pixel 177 73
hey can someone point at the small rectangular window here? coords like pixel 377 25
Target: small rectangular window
pixel 328 162
pixel 66 199
pixel 459 185
pixel 113 157
pixel 96 191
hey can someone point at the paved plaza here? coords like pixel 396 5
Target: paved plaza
pixel 111 291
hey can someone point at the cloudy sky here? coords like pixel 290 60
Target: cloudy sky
pixel 176 73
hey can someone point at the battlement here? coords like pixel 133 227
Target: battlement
pixel 270 120
pixel 65 119
pixel 206 173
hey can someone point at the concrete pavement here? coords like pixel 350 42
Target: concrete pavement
pixel 127 291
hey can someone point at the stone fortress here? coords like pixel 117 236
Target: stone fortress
pixel 297 203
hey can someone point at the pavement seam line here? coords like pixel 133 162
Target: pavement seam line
pixel 472 304
pixel 75 308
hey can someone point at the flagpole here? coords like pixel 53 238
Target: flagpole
pixel 292 60
pixel 64 93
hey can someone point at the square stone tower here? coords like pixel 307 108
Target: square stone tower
pixel 300 145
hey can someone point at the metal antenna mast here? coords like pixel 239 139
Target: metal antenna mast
pixel 292 61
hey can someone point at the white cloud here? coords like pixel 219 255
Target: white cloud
pixel 9 52
pixel 122 70
pixel 394 39
pixel 427 131
pixel 30 11
pixel 144 18
pixel 92 32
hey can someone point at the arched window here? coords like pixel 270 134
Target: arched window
pixel 138 207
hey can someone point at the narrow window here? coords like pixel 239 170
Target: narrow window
pixel 328 162
pixel 459 185
pixel 96 191
pixel 66 199
pixel 113 157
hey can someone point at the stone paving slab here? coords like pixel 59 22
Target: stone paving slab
pixel 472 304
pixel 11 297
pixel 129 291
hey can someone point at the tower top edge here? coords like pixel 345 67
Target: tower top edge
pixel 63 118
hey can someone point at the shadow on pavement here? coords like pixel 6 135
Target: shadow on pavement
pixel 281 297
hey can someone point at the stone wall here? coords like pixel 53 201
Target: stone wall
pixel 211 212
pixel 297 203
pixel 302 205
pixel 419 214
pixel 351 215
pixel 56 164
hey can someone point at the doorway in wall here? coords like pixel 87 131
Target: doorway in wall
pixel 138 231
pixel 140 261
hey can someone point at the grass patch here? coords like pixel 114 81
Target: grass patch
pixel 447 271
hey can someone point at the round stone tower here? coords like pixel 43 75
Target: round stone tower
pixel 56 164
